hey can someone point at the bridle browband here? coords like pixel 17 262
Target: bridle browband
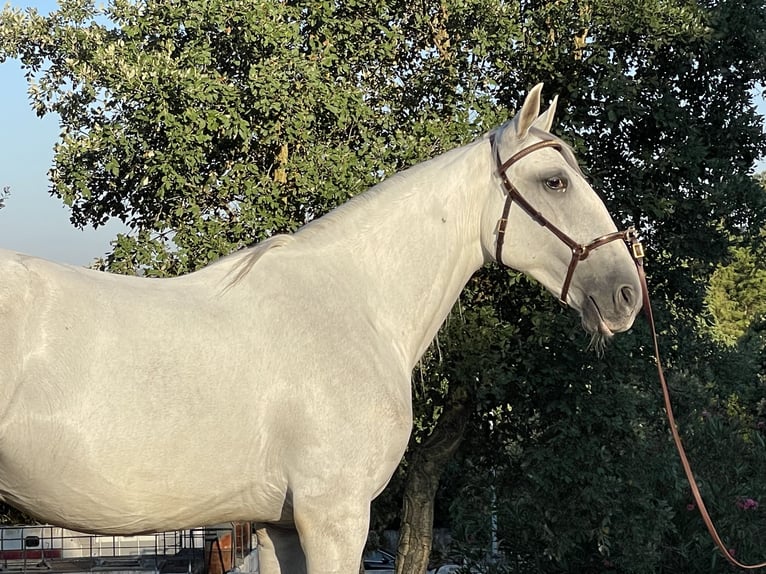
pixel 579 251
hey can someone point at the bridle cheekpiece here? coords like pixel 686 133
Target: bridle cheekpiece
pixel 580 252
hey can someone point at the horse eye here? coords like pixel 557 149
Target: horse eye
pixel 556 184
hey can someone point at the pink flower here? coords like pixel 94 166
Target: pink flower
pixel 747 504
pixel 690 506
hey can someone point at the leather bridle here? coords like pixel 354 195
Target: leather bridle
pixel 579 253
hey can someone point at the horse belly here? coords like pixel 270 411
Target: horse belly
pixel 111 478
pixel 107 435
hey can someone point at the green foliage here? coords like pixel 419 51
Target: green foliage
pixel 205 126
pixel 578 466
pixel 562 442
pixel 736 294
pixel 660 109
pixel 721 402
pixel 4 195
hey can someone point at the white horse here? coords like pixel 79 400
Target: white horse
pixel 274 385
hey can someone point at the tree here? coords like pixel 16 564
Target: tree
pixel 206 126
pixel 735 299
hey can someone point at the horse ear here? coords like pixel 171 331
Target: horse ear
pixel 529 112
pixel 545 121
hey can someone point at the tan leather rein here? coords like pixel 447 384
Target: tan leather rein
pixel 674 430
pixel 579 253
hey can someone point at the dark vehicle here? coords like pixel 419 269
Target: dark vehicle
pixel 379 561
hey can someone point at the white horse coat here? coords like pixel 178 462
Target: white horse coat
pixel 274 385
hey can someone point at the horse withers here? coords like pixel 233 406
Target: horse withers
pixel 274 385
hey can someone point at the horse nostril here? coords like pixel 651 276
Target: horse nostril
pixel 626 296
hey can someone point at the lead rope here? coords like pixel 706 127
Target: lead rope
pixel 638 256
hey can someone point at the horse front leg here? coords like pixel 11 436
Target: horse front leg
pixel 333 532
pixel 279 550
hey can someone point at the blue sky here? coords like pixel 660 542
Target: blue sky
pixel 33 222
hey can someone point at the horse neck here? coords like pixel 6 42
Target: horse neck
pixel 415 241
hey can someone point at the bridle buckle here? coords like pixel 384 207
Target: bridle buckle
pixel 634 243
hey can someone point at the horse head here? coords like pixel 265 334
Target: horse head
pixel 555 228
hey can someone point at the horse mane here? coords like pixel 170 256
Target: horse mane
pixel 243 261
pixel 406 181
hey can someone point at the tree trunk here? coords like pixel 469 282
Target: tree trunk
pixel 426 465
